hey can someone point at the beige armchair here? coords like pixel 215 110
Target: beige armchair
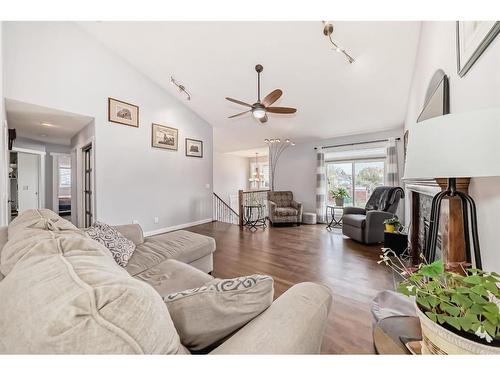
pixel 283 209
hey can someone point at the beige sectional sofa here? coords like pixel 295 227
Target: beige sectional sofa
pixel 63 293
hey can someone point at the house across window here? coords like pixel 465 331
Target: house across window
pixel 359 177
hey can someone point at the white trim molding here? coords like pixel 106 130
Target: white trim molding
pixel 176 227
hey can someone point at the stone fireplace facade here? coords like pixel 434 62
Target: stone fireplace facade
pixel 451 245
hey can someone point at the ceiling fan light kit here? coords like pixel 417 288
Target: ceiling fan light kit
pixel 328 31
pixel 260 108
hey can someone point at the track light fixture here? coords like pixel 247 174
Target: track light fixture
pixel 180 87
pixel 328 31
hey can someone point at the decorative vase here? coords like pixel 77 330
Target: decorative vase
pixel 339 201
pixel 438 340
pixel 390 228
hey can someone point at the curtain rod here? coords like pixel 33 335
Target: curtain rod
pixel 358 143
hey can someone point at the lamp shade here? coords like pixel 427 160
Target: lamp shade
pixel 455 145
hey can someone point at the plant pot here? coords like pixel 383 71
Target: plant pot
pixel 339 202
pixel 436 339
pixel 391 228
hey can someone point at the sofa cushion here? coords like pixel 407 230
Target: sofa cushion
pixel 355 220
pixel 67 295
pixel 121 247
pixel 181 245
pixel 172 276
pixel 206 315
pixel 285 211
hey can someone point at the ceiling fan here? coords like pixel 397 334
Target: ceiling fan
pixel 261 108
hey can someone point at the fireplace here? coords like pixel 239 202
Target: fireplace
pixel 450 245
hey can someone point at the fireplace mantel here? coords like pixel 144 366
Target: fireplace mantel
pixel 451 220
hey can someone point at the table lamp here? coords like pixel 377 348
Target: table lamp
pixel 453 146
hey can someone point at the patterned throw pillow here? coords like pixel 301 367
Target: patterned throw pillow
pixel 120 247
pixel 204 316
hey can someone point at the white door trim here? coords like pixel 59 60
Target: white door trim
pixel 78 199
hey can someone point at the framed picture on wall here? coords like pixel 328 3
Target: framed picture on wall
pixel 164 137
pixel 473 38
pixel 194 148
pixel 123 113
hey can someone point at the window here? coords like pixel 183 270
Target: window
pixel 359 177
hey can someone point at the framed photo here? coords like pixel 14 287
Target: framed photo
pixel 164 137
pixel 123 113
pixel 194 148
pixel 473 37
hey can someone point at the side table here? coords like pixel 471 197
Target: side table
pixel 334 223
pixel 254 216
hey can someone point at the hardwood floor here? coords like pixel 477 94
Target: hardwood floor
pixel 309 253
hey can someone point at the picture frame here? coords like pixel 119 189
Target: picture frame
pixel 123 113
pixel 473 38
pixel 164 137
pixel 194 148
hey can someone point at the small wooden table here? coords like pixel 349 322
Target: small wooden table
pixel 391 334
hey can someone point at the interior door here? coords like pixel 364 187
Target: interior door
pixel 28 180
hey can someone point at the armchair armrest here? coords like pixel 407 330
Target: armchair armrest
pixel 272 206
pixel 354 210
pixel 293 324
pixel 297 206
pixel 132 232
pixel 375 225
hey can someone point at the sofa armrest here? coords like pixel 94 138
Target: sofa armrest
pixel 354 210
pixel 293 324
pixel 133 232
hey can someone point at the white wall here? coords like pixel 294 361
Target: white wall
pixel 479 88
pixel 296 170
pixel 231 173
pixel 58 65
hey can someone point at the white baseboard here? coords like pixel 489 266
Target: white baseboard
pixel 176 227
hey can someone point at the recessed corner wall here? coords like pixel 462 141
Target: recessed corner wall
pixel 59 65
pixel 479 88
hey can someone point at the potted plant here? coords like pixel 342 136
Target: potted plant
pixel 392 225
pixel 339 195
pixel 459 314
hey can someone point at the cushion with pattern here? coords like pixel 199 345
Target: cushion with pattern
pixel 204 316
pixel 120 247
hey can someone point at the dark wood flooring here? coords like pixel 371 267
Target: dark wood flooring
pixel 309 253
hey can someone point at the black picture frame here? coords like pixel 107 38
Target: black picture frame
pixel 188 148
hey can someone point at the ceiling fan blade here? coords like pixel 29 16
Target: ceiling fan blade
pixel 239 102
pixel 281 110
pixel 272 97
pixel 239 114
pixel 263 119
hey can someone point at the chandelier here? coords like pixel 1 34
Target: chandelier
pixel 257 176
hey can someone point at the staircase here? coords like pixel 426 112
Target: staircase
pixel 223 212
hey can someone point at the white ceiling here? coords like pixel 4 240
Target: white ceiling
pixel 28 120
pixel 216 59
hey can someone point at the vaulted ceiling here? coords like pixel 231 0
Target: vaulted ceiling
pixel 216 59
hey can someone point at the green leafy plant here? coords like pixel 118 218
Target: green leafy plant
pixel 340 193
pixel 469 303
pixel 393 221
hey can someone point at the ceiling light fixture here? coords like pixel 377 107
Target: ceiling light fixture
pixel 47 124
pixel 180 87
pixel 328 31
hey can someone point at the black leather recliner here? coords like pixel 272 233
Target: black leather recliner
pixel 366 225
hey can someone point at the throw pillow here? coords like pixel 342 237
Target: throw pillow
pixel 204 316
pixel 120 247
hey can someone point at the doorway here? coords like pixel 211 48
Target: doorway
pixel 88 185
pixel 25 182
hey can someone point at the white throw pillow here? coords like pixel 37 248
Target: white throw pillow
pixel 204 316
pixel 120 247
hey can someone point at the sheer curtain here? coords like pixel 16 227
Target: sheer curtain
pixel 391 164
pixel 320 186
